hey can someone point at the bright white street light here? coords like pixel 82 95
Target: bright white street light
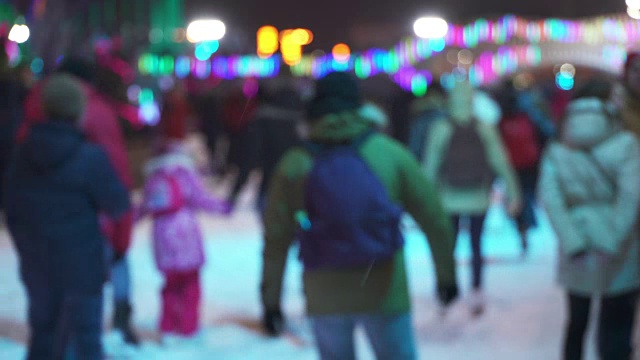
pixel 634 4
pixel 205 30
pixel 634 13
pixel 431 28
pixel 19 33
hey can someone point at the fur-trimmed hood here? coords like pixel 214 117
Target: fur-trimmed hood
pixel 169 161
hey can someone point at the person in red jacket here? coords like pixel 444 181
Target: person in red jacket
pixel 100 125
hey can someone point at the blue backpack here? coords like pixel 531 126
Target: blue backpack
pixel 349 220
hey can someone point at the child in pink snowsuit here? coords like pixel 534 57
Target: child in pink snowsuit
pixel 173 194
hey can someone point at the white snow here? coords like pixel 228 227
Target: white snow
pixel 524 317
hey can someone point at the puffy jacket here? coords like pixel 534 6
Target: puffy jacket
pixel 56 185
pixel 177 239
pixel 589 187
pixel 343 291
pixel 101 127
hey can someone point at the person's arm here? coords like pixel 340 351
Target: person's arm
pixel 201 197
pixel 437 142
pixel 279 230
pixel 624 214
pixel 105 188
pixel 553 200
pixel 498 158
pixel 421 199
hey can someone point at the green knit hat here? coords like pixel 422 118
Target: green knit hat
pixel 63 98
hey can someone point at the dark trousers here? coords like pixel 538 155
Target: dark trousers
pixel 476 224
pixel 62 324
pixel 615 326
pixel 528 181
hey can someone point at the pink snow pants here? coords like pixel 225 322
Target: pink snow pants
pixel 180 303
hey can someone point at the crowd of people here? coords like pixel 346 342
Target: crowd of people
pixel 337 176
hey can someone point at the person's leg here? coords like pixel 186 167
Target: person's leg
pixel 244 170
pixel 578 319
pixel 475 232
pixel 391 336
pixel 334 336
pixel 526 219
pixel 615 327
pixel 170 297
pixel 121 283
pixel 455 220
pixel 43 313
pixel 86 325
pixel 190 303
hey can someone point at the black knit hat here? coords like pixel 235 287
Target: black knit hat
pixel 335 93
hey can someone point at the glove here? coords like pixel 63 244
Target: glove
pixel 273 322
pixel 117 257
pixel 447 294
pixel 226 208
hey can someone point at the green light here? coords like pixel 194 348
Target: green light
pixel 166 65
pixel 419 85
pixel 146 96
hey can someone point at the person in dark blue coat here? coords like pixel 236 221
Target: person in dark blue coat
pixel 56 184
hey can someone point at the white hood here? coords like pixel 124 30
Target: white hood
pixel 587 123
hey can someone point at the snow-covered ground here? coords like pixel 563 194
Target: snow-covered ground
pixel 523 320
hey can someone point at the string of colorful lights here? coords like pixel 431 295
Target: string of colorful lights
pixel 508 32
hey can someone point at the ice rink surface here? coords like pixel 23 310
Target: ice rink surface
pixel 523 321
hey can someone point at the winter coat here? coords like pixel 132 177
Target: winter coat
pixel 101 127
pixel 589 187
pixel 469 201
pixel 11 97
pixel 56 185
pixel 343 291
pixel 177 240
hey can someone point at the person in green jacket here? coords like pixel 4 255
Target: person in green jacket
pixel 339 299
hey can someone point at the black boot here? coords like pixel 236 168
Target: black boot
pixel 122 322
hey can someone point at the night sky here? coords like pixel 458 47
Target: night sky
pixel 366 23
pixel 351 20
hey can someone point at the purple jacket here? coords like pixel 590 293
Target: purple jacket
pixel 177 240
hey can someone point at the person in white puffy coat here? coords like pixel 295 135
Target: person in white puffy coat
pixel 589 185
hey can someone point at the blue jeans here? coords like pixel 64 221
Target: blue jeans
pixel 391 336
pixel 120 277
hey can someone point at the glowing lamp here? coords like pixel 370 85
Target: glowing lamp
pixel 633 4
pixel 431 28
pixel 205 30
pixel 341 52
pixel 302 36
pixel 267 38
pixel 633 13
pixel 19 33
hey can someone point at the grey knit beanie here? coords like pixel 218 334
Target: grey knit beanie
pixel 63 98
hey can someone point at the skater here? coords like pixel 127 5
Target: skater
pixel 589 187
pixel 101 127
pixel 525 129
pixel 342 196
pixel 56 186
pixel 463 156
pixel 277 120
pixel 173 193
